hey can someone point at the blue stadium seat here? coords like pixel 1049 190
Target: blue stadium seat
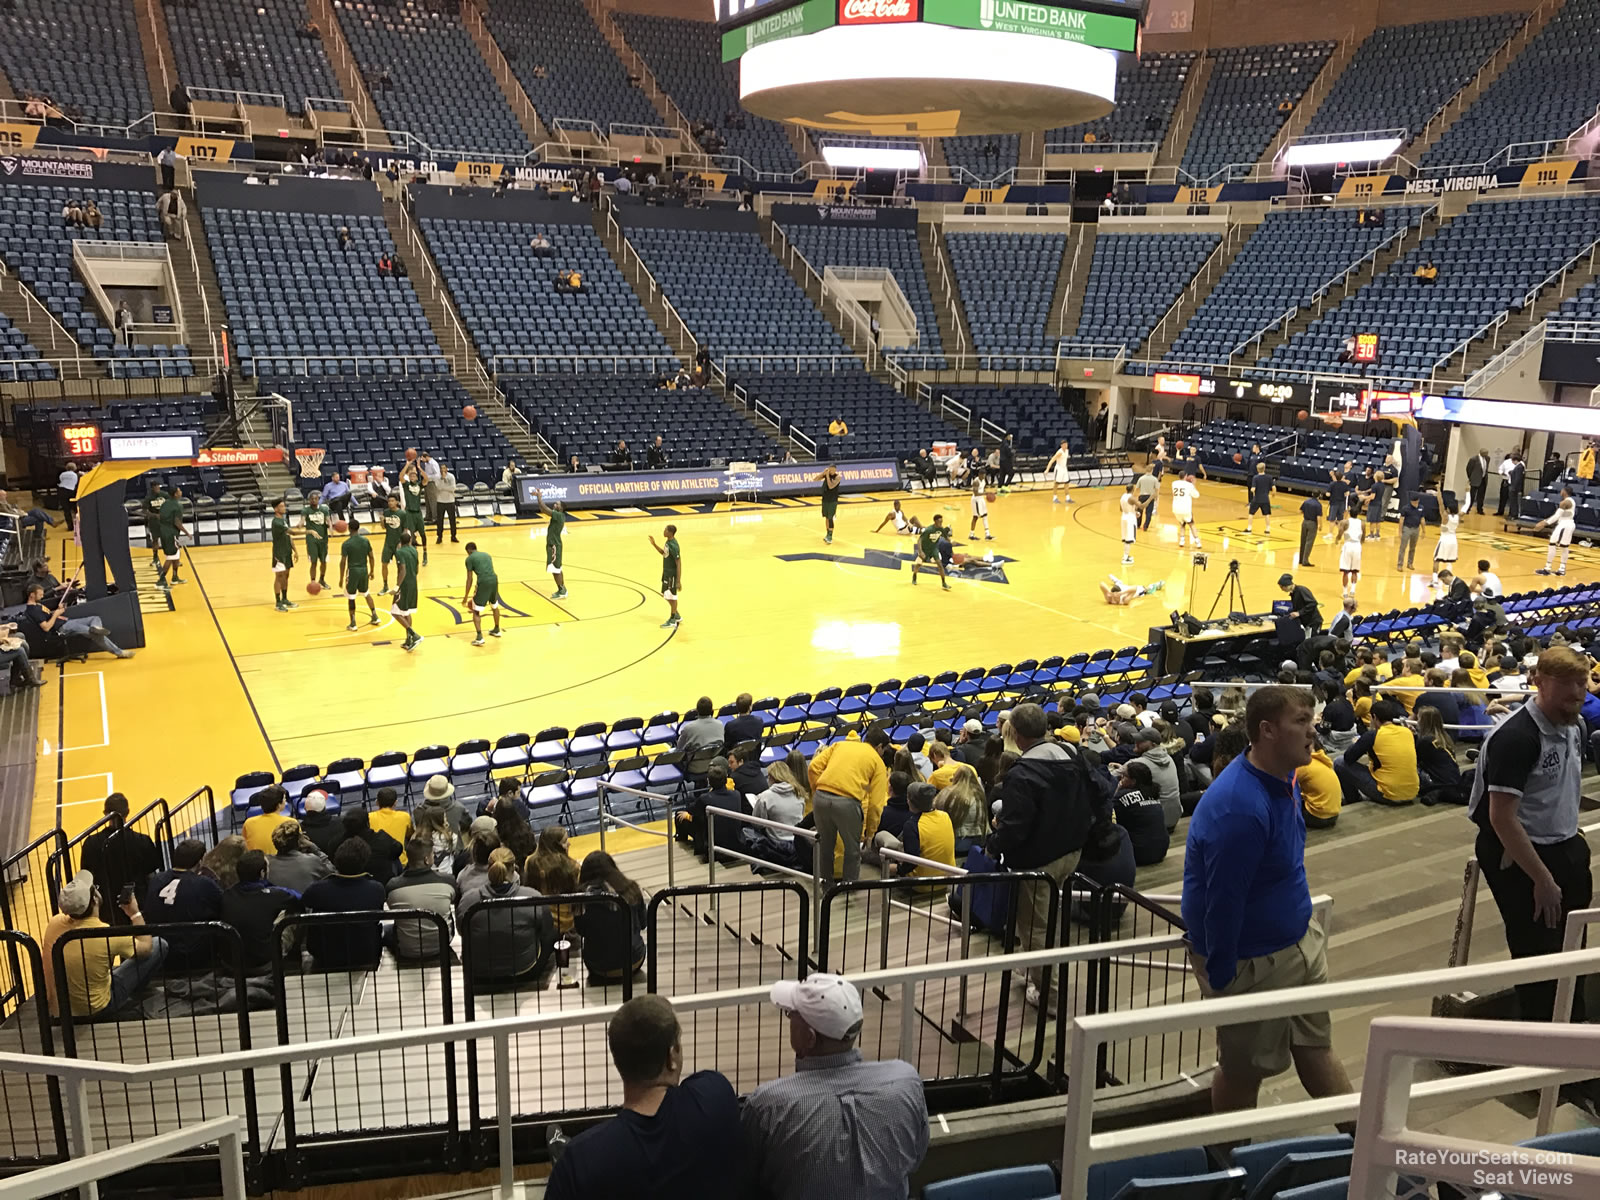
pixel 263 38
pixel 1134 278
pixel 1240 111
pixel 565 65
pixel 84 57
pixel 1148 88
pixel 1037 1182
pixel 1007 281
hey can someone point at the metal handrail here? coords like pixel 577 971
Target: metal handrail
pixel 1101 147
pixel 810 835
pixel 789 256
pixel 1213 259
pixel 952 290
pixel 657 292
pixel 1582 132
pixel 58 331
pixel 1459 101
pixel 1497 365
pixel 500 67
pixel 88 1166
pixel 609 817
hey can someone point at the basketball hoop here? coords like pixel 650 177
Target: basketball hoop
pixel 310 461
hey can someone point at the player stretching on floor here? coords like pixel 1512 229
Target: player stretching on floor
pixel 355 572
pixel 486 593
pixel 1117 592
pixel 171 523
pixel 316 518
pixel 282 558
pixel 1129 506
pixel 552 544
pixel 1059 470
pixel 831 483
pixel 1184 494
pixel 980 507
pixel 927 551
pixel 902 523
pixel 394 521
pixel 672 570
pixel 404 607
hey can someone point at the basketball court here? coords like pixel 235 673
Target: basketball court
pixel 229 685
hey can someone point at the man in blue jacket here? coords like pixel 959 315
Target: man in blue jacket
pixel 1248 907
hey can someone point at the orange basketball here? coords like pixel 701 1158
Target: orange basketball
pixel 313 587
pixel 1237 457
pixel 470 413
pixel 341 526
pixel 1179 446
pixel 411 455
pixel 1303 415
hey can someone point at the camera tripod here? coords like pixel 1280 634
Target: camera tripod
pixel 1233 588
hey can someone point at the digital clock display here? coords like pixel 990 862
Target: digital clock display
pixel 1366 348
pixel 81 441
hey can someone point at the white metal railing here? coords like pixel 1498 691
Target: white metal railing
pixel 855 317
pixel 1572 938
pixel 1589 132
pixel 1101 147
pixel 160 48
pixel 947 286
pixel 1565 329
pixel 1082 1148
pixel 565 364
pixel 892 295
pixel 300 364
pixel 1497 365
pixel 37 311
pixel 85 1171
pixel 642 274
pixel 815 875
pixel 1070 348
pixel 500 67
pixel 238 97
pixel 337 48
pixel 1178 313
pixel 1463 99
pixel 1084 234
pixel 199 284
pixel 1387 1149
pixel 953 412
pixel 1507 156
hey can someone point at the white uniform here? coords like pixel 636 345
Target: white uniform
pixel 1062 472
pixel 900 522
pixel 1184 494
pixel 1491 589
pixel 1130 517
pixel 1350 551
pixel 1566 520
pixel 1446 551
pixel 980 506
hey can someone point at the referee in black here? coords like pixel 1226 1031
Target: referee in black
pixel 1525 802
pixel 1310 521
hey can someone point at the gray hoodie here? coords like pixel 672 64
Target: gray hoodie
pixel 1165 773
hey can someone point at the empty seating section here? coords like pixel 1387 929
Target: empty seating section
pixel 1243 104
pixel 1148 89
pixel 83 56
pixel 882 421
pixel 20 358
pixel 1216 442
pixel 440 89
pixel 301 305
pixel 983 156
pixel 361 422
pixel 735 296
pixel 507 295
pixel 1549 90
pixel 37 432
pixel 1031 412
pixel 1007 281
pixel 1133 280
pixel 1322 452
pixel 1402 75
pixel 262 37
pixel 581 76
pixel 1582 305
pixel 1489 258
pixel 38 249
pixel 686 58
pixel 1286 260
pixel 695 426
pixel 895 249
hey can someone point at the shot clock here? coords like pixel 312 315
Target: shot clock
pixel 81 441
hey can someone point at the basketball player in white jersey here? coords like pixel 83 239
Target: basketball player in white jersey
pixel 1129 506
pixel 1184 494
pixel 1564 520
pixel 1060 474
pixel 980 507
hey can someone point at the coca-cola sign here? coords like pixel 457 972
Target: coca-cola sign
pixel 876 12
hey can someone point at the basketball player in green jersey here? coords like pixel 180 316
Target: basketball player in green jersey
pixel 552 543
pixel 171 525
pixel 671 573
pixel 282 558
pixel 317 516
pixel 153 500
pixel 404 608
pixel 411 484
pixel 394 520
pixel 831 482
pixel 355 572
pixel 928 551
pixel 482 591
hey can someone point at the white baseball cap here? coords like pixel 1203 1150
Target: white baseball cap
pixel 829 1004
pixel 972 725
pixel 78 892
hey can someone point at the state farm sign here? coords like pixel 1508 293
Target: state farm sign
pixel 876 12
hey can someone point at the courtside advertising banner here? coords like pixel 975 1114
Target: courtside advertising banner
pixel 644 488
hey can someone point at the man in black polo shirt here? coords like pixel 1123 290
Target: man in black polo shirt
pixel 1383 481
pixel 1525 798
pixel 1310 520
pixel 1260 497
pixel 1303 606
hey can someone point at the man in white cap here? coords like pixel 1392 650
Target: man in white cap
pixel 969 746
pixel 440 793
pixel 95 989
pixel 840 1125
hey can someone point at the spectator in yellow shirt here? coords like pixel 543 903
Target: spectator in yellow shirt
pixel 95 988
pixel 838 427
pixel 849 787
pixel 945 766
pixel 273 802
pixel 1392 748
pixel 1469 664
pixel 1321 794
pixel 1410 677
pixel 386 818
pixel 928 834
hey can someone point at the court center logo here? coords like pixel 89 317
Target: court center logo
pixel 986 13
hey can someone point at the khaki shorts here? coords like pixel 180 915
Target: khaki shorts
pixel 1263 1047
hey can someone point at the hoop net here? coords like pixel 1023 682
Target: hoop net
pixel 310 461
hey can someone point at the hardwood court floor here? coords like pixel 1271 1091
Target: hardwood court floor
pixel 228 685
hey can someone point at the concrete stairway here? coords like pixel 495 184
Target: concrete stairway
pixel 1311 99
pixel 160 67
pixel 1377 265
pixel 472 16
pixel 47 335
pixel 451 332
pixel 955 335
pixel 1213 269
pixel 264 479
pixel 1066 303
pixel 810 281
pixel 1176 139
pixel 198 290
pixel 638 68
pixel 1479 353
pixel 346 70
pixel 1479 83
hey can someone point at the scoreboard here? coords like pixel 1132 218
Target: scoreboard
pixel 80 441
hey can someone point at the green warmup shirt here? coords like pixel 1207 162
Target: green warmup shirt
pixel 406 594
pixel 171 517
pixel 357 554
pixel 317 533
pixel 486 587
pixel 830 498
pixel 282 544
pixel 152 516
pixel 552 539
pixel 669 566
pixel 928 543
pixel 393 526
pixel 411 501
